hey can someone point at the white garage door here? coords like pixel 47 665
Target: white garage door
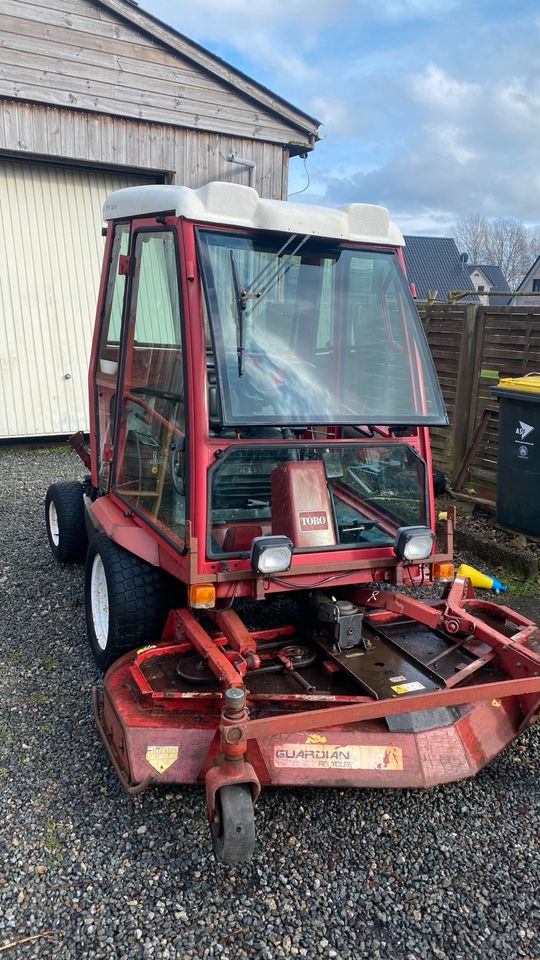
pixel 50 259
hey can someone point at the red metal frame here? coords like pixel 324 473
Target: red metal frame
pixel 354 565
pixel 241 747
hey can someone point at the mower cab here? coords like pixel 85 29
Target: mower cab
pixel 261 392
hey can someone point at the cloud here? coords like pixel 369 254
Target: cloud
pixel 414 9
pixel 437 89
pixel 334 113
pixel 277 36
pixel 431 107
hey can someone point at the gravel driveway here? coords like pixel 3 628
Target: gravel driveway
pixel 450 873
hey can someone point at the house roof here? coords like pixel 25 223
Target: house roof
pixel 495 277
pixel 435 264
pixel 217 68
pixel 533 273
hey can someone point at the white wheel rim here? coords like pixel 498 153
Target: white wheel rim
pixel 53 524
pixel 99 598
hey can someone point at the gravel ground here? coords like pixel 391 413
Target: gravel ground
pixel 450 873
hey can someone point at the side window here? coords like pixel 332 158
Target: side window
pixel 109 345
pixel 150 472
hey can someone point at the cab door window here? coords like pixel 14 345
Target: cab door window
pixel 150 470
pixel 106 377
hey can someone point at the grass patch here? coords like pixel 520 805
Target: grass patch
pixel 51 664
pixel 524 588
pixel 52 843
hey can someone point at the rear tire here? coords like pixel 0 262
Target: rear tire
pixel 64 518
pixel 233 831
pixel 125 602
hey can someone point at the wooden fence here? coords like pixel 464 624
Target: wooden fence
pixel 473 346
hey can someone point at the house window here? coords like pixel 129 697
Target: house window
pixel 536 286
pixel 481 288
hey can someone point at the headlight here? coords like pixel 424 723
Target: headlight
pixel 414 543
pixel 271 554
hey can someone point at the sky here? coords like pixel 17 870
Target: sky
pixel 430 107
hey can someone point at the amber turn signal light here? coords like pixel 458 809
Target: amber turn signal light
pixel 443 571
pixel 202 596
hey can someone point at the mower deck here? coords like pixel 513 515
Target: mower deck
pixel 414 705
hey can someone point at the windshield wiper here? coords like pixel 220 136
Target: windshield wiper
pixel 241 297
pixel 282 268
pixel 243 294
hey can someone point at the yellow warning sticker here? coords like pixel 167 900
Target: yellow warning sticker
pixel 161 757
pixel 338 757
pixel 408 687
pixel 315 738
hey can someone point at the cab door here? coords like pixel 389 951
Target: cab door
pixel 149 472
pixel 106 365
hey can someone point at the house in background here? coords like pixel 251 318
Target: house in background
pixel 487 277
pixel 97 95
pixel 435 266
pixel 531 281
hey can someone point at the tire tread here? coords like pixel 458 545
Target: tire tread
pixel 137 610
pixel 67 497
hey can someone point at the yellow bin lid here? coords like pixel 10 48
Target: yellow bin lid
pixel 527 384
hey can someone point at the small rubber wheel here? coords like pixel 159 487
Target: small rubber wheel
pixel 125 602
pixel 64 518
pixel 233 831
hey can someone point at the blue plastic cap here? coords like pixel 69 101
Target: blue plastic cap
pixel 497 585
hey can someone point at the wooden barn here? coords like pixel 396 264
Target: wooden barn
pixel 96 95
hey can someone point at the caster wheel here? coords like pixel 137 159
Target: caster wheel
pixel 233 830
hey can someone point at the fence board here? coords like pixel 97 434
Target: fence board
pixel 465 340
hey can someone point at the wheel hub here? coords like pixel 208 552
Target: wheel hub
pixel 53 524
pixel 99 598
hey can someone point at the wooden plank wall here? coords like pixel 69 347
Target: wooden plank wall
pixel 190 157
pixel 509 346
pixel 444 325
pixel 80 55
pixel 473 346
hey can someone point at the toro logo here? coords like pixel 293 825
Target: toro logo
pixel 313 521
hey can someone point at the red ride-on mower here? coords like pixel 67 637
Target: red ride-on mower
pixel 260 493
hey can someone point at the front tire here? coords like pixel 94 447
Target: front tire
pixel 64 519
pixel 124 600
pixel 233 831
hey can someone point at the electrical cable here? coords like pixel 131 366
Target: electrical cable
pixel 303 190
pixel 308 586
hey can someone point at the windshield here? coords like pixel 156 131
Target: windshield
pixel 307 333
pixel 351 495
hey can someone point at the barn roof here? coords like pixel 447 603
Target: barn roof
pixel 217 68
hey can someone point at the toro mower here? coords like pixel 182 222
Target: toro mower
pixel 259 512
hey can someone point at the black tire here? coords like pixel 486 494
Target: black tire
pixel 233 831
pixel 64 519
pixel 125 601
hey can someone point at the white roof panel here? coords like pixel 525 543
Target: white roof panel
pixel 234 204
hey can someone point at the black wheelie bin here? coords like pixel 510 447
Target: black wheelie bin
pixel 518 468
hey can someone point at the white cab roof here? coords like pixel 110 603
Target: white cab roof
pixel 236 205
